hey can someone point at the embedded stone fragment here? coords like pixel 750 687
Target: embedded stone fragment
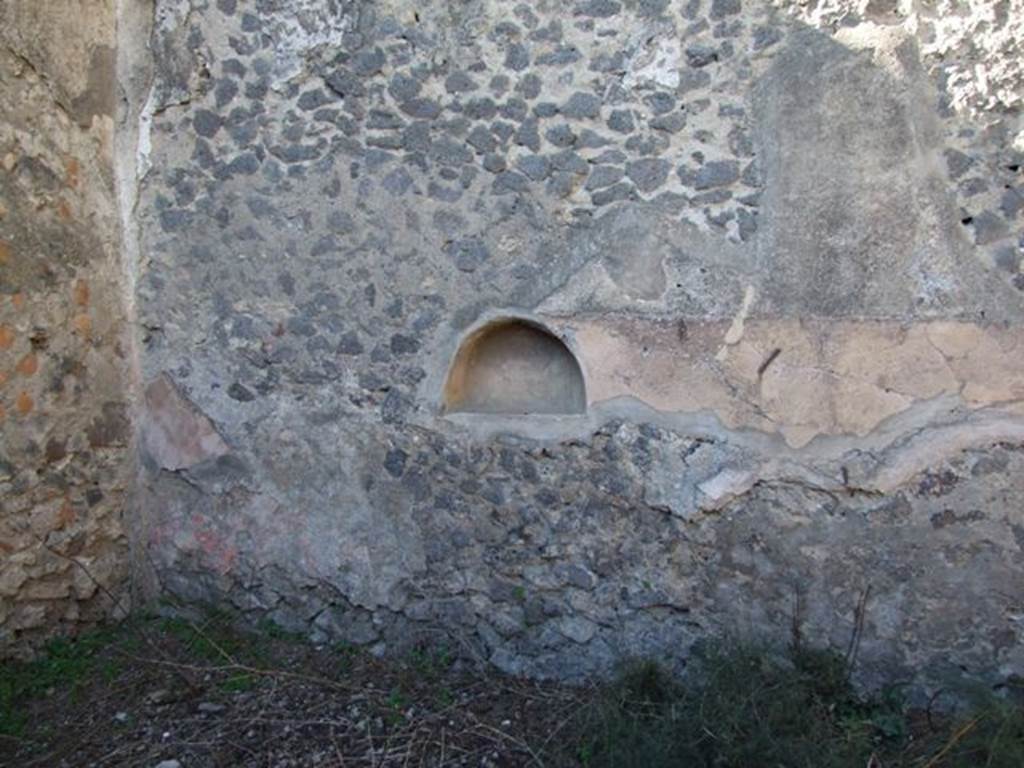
pixel 175 433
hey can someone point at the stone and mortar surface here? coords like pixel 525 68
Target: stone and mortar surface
pixel 783 242
pixel 65 421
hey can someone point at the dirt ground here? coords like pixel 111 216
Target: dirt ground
pixel 172 693
pixel 160 692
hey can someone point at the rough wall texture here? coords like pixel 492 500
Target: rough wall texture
pixel 782 242
pixel 974 52
pixel 783 245
pixel 64 418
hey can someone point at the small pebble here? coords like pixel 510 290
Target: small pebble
pixel 161 696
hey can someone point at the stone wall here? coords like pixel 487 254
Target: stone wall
pixel 782 246
pixel 369 247
pixel 64 414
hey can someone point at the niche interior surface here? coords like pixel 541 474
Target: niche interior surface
pixel 514 367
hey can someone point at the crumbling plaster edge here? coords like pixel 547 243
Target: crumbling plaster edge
pixel 134 81
pixel 903 446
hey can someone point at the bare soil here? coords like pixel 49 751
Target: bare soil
pixel 201 695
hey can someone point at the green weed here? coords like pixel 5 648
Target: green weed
pixel 749 706
pixel 64 665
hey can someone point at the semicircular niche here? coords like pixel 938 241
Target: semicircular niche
pixel 516 367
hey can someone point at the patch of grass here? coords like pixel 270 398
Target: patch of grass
pixel 240 682
pixel 218 638
pixel 274 631
pixel 749 706
pixel 989 735
pixel 346 655
pixel 64 665
pixel 395 706
pixel 194 643
pixel 444 697
pixel 431 662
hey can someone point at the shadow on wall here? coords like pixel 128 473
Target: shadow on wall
pixel 514 366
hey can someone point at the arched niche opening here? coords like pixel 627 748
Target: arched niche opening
pixel 514 366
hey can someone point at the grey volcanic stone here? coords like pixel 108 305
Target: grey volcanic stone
pixel 383 120
pixel 598 8
pixel 206 123
pixel 648 173
pixel 560 136
pixel 660 103
pixel 529 86
pixel 422 108
pixel 397 182
pixel 718 173
pixel 621 121
pixel 241 393
pixel 509 181
pixel 495 163
pixel 534 167
pixel 481 139
pixel 528 134
pixel 589 139
pixel 604 176
pixel 403 87
pixel 481 108
pixel 722 8
pixel 224 92
pixel 349 344
pixel 569 160
pixel 561 184
pixel 545 109
pixel 345 83
pixel 449 151
pixel 766 37
pixel 582 106
pixel 468 253
pixel 957 162
pixel 369 62
pixel 402 344
pixel 517 58
pixel 700 55
pixel 988 227
pixel 314 99
pixel 561 56
pixel 394 462
pixel 612 194
pixel 460 82
pixel 671 123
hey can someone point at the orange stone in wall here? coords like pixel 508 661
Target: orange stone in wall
pixel 72 169
pixel 24 404
pixel 28 365
pixel 81 293
pixel 82 324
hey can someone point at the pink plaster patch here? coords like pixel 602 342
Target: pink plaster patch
pixel 175 433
